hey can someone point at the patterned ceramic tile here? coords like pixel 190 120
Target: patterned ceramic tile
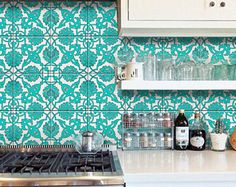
pixel 67 125
pixel 102 18
pixel 215 100
pixel 105 52
pixel 31 92
pixel 31 18
pixel 108 123
pixel 32 127
pixel 6 17
pixel 69 55
pixel 6 92
pixel 187 100
pixel 7 63
pixel 6 128
pixel 32 55
pixel 103 93
pixel 69 18
pixel 57 73
pixel 70 92
pixel 143 100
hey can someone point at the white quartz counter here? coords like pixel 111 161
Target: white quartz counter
pixel 179 166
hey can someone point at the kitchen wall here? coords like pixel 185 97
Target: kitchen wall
pixel 57 76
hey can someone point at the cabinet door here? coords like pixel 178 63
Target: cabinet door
pixel 182 10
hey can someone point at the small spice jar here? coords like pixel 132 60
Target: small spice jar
pixel 150 119
pixel 134 121
pixel 135 140
pixel 127 140
pixel 126 120
pixel 167 120
pixel 152 143
pixel 144 140
pixel 141 120
pixel 160 140
pixel 158 119
pixel 168 141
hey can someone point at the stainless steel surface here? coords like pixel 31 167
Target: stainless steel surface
pixel 87 141
pixel 61 179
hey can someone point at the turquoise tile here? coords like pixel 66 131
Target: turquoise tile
pixel 6 128
pixel 6 17
pixel 7 63
pixel 31 18
pixel 69 55
pixel 69 18
pixel 187 100
pixel 107 123
pixel 6 92
pixel 70 92
pixel 32 92
pixel 103 93
pixel 143 100
pixel 67 125
pixel 32 127
pixel 32 54
pixel 105 52
pixel 216 100
pixel 102 18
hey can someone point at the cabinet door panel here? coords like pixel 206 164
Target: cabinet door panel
pixel 180 10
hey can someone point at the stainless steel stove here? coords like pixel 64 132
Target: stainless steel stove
pixel 58 166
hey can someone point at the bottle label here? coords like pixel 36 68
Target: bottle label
pixel 182 137
pixel 197 141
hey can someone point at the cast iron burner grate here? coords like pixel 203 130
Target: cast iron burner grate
pixel 55 162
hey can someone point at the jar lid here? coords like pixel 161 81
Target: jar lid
pixel 135 134
pixel 143 134
pixel 87 134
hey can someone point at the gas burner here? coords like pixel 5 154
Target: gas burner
pixel 58 166
pixel 59 162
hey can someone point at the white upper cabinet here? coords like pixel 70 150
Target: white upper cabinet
pixel 177 17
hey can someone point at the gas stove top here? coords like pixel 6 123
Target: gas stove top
pixel 56 165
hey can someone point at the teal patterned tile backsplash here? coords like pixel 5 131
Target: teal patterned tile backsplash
pixel 57 72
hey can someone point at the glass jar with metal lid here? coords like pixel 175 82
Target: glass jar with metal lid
pixel 135 140
pixel 158 119
pixel 168 140
pixel 144 140
pixel 127 140
pixel 152 143
pixel 167 120
pixel 160 140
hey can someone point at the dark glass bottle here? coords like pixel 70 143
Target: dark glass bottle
pixel 181 132
pixel 197 139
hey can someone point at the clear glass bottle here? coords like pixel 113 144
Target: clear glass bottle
pixel 197 134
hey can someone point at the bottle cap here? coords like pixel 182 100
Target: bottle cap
pixel 181 111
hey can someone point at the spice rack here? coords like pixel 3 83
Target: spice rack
pixel 147 130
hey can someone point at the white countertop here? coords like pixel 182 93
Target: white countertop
pixel 156 166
